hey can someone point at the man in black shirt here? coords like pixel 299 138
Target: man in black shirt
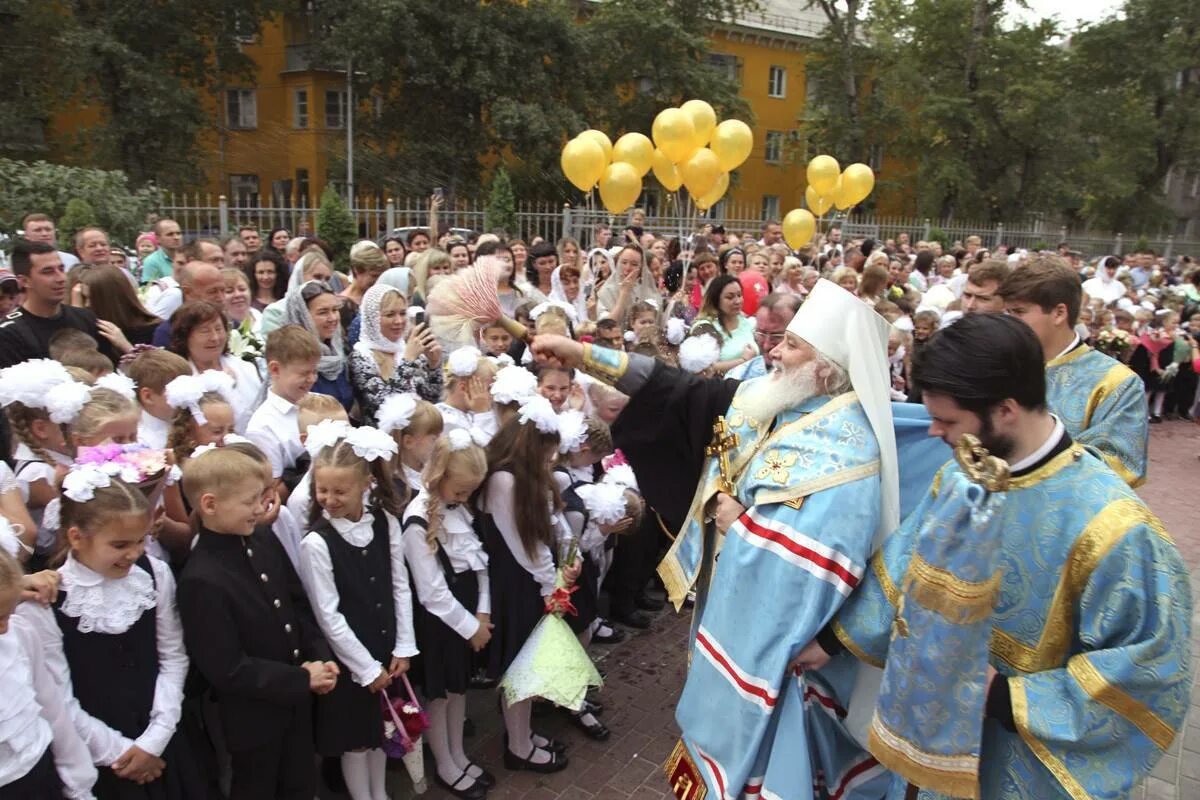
pixel 25 332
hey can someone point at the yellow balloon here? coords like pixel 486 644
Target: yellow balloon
pixel 715 194
pixel 600 138
pixel 700 172
pixel 666 172
pixel 841 199
pixel 798 228
pixel 674 133
pixel 619 187
pixel 636 150
pixel 857 182
pixel 703 117
pixel 816 203
pixel 823 173
pixel 582 162
pixel 732 141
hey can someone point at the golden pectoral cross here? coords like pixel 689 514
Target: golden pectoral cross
pixel 723 442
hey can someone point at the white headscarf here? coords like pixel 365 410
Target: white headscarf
pixel 558 294
pixel 398 277
pixel 645 290
pixel 369 334
pixel 333 355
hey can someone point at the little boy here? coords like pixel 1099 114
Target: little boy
pixel 151 371
pixel 250 631
pixel 292 355
pixel 496 340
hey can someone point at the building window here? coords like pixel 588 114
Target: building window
pixel 335 109
pixel 302 187
pixel 724 64
pixel 300 108
pixel 244 190
pixel 773 153
pixel 241 107
pixel 777 84
pixel 770 206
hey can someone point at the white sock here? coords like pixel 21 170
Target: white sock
pixel 357 776
pixel 438 737
pixel 377 764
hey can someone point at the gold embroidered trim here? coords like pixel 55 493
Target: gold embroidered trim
pixel 1049 469
pixel 961 602
pixel 674 581
pixel 803 490
pixel 1067 358
pixel 957 776
pixel 796 503
pixel 1100 690
pixel 848 642
pixel 1123 472
pixel 1117 374
pixel 601 371
pixel 1020 707
pixel 684 775
pixel 1090 547
pixel 885 580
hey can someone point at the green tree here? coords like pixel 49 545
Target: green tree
pixel 336 226
pixel 31 73
pixel 502 205
pixel 119 208
pixel 78 214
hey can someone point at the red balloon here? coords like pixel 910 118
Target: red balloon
pixel 754 288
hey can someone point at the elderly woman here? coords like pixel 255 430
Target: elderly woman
pixel 200 333
pixel 315 307
pixel 312 266
pixel 238 307
pixel 386 361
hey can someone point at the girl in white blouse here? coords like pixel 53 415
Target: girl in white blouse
pixel 41 754
pixel 113 639
pixel 453 612
pixel 352 564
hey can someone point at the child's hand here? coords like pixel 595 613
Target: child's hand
pixel 398 667
pixel 482 635
pixel 136 765
pixel 271 506
pixel 620 526
pixel 380 683
pixel 40 587
pixel 571 573
pixel 320 681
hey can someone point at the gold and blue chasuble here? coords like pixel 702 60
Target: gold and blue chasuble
pixel 811 489
pixel 1091 630
pixel 1102 404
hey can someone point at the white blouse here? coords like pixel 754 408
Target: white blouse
pixel 112 606
pixel 465 553
pixel 316 572
pixel 483 421
pixel 34 716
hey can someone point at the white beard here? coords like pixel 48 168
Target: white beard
pixel 766 398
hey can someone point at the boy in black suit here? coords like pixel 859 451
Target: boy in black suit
pixel 250 631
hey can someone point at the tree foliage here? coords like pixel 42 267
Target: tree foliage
pixel 49 188
pixel 336 226
pixel 79 214
pixel 502 205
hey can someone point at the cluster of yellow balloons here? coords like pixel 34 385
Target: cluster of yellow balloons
pixel 828 187
pixel 689 148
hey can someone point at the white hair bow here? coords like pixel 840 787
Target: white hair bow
pixel 371 444
pixel 395 413
pixel 538 410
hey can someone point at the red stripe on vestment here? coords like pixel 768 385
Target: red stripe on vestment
pixel 799 550
pixel 733 673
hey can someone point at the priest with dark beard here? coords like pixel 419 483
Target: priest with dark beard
pixel 793 479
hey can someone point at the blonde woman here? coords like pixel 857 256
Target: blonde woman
pixel 367 263
pixel 392 356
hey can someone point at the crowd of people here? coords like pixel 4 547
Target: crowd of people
pixel 347 502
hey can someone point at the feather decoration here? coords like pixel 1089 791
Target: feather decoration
pixel 466 301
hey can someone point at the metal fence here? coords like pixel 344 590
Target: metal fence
pixel 206 215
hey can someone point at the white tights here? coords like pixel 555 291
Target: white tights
pixel 517 721
pixel 365 773
pixel 445 737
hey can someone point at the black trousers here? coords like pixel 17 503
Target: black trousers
pixel 282 769
pixel 40 783
pixel 634 562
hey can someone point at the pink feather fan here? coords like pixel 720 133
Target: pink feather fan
pixel 460 305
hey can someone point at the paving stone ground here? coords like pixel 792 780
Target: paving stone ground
pixel 645 675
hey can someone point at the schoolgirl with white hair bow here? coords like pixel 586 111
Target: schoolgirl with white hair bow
pixel 352 565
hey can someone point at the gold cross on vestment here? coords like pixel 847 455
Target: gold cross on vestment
pixel 723 442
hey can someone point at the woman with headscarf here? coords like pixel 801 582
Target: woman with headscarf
pixel 396 277
pixel 312 266
pixel 566 286
pixel 315 307
pixel 634 284
pixel 386 361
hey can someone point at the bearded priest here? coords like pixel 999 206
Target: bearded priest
pixel 794 487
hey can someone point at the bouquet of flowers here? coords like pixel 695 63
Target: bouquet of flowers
pixel 138 465
pixel 1114 342
pixel 552 664
pixel 244 344
pixel 403 724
